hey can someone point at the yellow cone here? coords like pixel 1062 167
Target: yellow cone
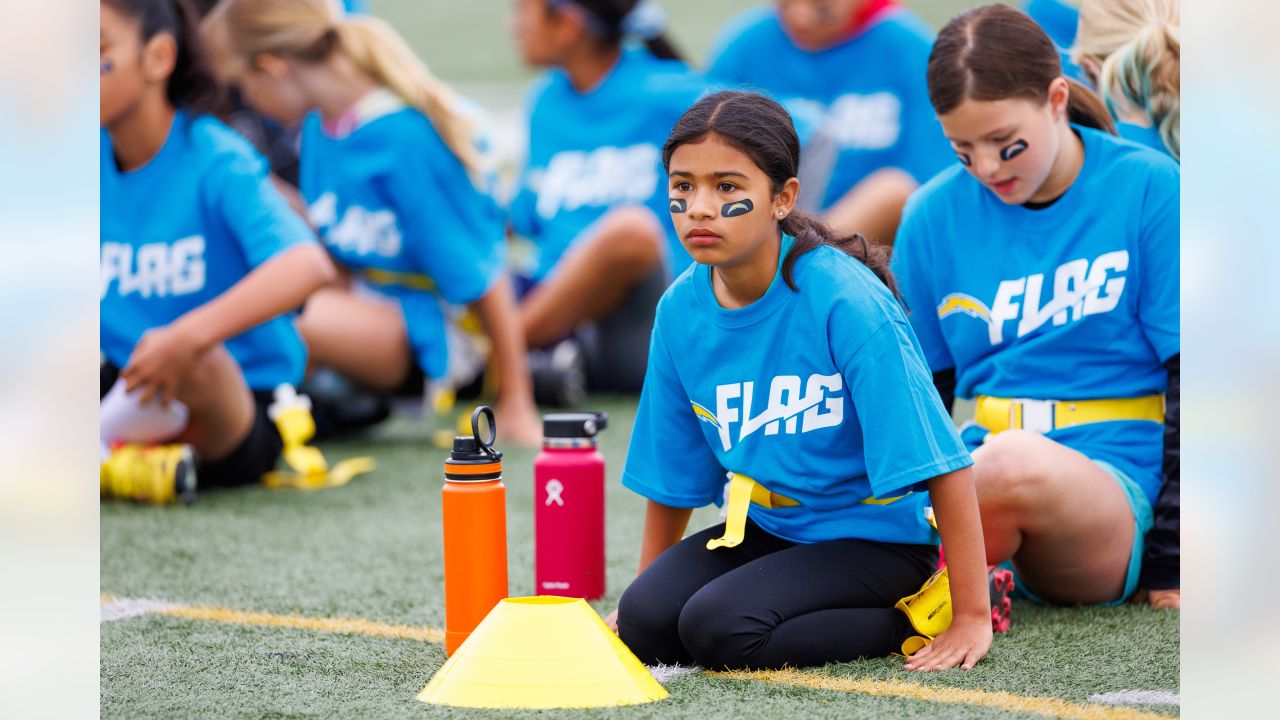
pixel 542 652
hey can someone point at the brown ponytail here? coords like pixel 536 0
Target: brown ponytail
pixel 762 129
pixel 995 52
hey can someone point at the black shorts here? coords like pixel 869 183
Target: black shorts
pixel 255 455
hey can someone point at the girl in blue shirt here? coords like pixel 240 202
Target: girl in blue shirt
pixel 851 72
pixel 1131 51
pixel 1042 274
pixel 200 260
pixel 390 173
pixel 784 356
pixel 592 191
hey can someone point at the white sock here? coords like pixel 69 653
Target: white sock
pixel 121 418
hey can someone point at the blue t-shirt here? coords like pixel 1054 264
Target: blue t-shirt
pixel 1147 135
pixel 866 95
pixel 821 395
pixel 594 151
pixel 1059 21
pixel 182 229
pixel 1075 301
pixel 394 204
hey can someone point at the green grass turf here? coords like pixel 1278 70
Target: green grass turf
pixel 372 550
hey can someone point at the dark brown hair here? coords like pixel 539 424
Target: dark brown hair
pixel 995 52
pixel 191 85
pixel 606 22
pixel 762 130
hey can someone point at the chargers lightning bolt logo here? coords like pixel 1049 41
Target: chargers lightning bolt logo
pixel 705 415
pixel 967 304
pixel 734 209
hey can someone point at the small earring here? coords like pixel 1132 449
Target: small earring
pixel 781 213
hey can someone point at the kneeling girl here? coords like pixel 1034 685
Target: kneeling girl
pixel 783 355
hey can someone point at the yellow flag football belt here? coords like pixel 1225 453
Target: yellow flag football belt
pixel 1000 414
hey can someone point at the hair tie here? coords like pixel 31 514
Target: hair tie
pixel 647 20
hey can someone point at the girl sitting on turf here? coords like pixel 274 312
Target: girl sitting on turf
pixel 1131 52
pixel 853 72
pixel 591 195
pixel 784 356
pixel 389 171
pixel 1042 271
pixel 200 261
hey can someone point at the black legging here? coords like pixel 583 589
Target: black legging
pixel 770 602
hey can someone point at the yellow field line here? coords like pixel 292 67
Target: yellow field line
pixel 347 626
pixel 1048 707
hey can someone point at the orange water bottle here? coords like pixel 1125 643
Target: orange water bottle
pixel 475 531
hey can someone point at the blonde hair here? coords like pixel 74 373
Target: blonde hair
pixel 310 30
pixel 1137 45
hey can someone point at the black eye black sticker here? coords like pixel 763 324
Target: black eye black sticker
pixel 678 205
pixel 736 208
pixel 964 159
pixel 1013 149
pixel 105 67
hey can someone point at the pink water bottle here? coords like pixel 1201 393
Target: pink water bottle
pixel 568 514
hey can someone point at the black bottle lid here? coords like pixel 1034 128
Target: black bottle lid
pixel 574 425
pixel 472 449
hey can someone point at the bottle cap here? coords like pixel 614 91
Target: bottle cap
pixel 573 425
pixel 473 457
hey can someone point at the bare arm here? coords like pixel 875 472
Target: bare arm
pixel 498 313
pixel 873 207
pixel 664 526
pixel 955 504
pixel 273 288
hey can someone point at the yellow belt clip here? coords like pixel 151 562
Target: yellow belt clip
pixel 291 413
pixel 929 609
pixel 742 492
pixel 1000 414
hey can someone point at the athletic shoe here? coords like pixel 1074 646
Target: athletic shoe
pixel 341 408
pixel 156 474
pixel 559 374
pixel 1000 582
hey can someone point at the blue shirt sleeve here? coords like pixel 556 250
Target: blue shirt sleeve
pixel 451 229
pixel 908 437
pixel 254 212
pixel 1159 295
pixel 914 282
pixel 669 460
pixel 924 150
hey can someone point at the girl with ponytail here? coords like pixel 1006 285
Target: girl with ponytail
pixel 1131 51
pixel 201 263
pixel 784 356
pixel 592 192
pixel 1042 274
pixel 390 174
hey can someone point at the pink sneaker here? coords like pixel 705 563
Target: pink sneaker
pixel 1000 581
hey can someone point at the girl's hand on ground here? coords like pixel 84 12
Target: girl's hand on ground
pixel 963 644
pixel 1170 599
pixel 519 424
pixel 612 621
pixel 158 363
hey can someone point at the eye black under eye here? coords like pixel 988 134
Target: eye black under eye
pixel 1013 149
pixel 964 159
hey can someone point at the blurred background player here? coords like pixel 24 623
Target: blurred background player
pixel 591 194
pixel 391 175
pixel 1042 274
pixel 1131 51
pixel 851 73
pixel 201 262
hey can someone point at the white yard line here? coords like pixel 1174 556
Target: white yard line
pixel 1137 697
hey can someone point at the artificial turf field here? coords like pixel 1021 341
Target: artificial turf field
pixel 286 604
pixel 370 551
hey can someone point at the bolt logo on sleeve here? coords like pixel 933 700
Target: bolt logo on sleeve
pixel 789 410
pixel 734 209
pixel 1080 289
